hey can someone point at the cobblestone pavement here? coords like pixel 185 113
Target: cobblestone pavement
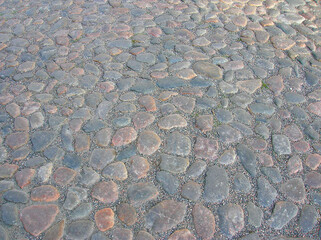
pixel 146 119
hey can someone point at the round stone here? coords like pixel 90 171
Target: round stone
pixel 104 219
pixel 148 143
pixel 106 192
pixel 204 222
pixel 45 193
pixel 124 136
pixel 127 214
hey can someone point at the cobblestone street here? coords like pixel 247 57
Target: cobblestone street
pixel 160 119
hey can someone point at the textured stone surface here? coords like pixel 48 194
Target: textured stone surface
pixel 204 221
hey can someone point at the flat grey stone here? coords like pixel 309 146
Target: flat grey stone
pixel 231 219
pixel 242 183
pixel 80 230
pixel 165 215
pixel 255 215
pixel 196 169
pixel 294 189
pixel 42 139
pixel 309 218
pixel 168 182
pixel 10 214
pixel 281 144
pixel 140 193
pixel 171 83
pixel 266 192
pixel 173 164
pixel 82 211
pixel 272 173
pixel 228 134
pixel 247 158
pixel 16 196
pixel 178 144
pixel 216 187
pixel 282 214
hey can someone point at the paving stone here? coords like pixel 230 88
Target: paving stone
pixel 266 192
pixel 106 192
pixel 16 196
pixel 17 140
pixel 184 104
pixel 216 187
pixel 315 108
pixel 191 191
pixel 294 190
pixel 38 218
pixel 196 169
pixel 103 137
pixel 294 165
pixel 282 214
pixel 139 167
pixel 63 176
pixel 172 121
pixel 165 215
pixel 24 177
pixel 206 148
pixel 247 158
pixel 272 173
pixel 168 182
pixel 44 193
pixel 42 139
pixel 228 157
pixel 208 70
pixel 81 211
pixel 170 83
pixel 127 214
pixel 231 219
pixel 104 219
pixel 124 136
pixel 72 161
pixel 281 144
pixel 148 102
pixel 122 234
pixel 178 144
pixel 81 229
pixel 116 171
pixel 255 214
pixel 308 218
pixel 204 123
pixel 101 157
pixel 141 193
pixel 10 214
pixel 56 232
pixel 241 183
pixel 148 143
pixel 182 234
pixel 204 221
pixel 313 179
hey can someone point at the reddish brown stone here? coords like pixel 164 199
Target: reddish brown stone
pixel 186 74
pixel 44 193
pixel 38 218
pixel 282 43
pixel 182 234
pixel 206 148
pixel 313 179
pixel 24 177
pixel 17 140
pixel 106 192
pixel 148 142
pixel 124 136
pixel 265 159
pixel 82 143
pixel 172 121
pixel 30 107
pixel 315 108
pixel 21 124
pixel 148 103
pixel 158 75
pixel 258 144
pixel 293 132
pixel 56 232
pixel 204 222
pixel 142 120
pixel 63 175
pixel 6 98
pixel 204 123
pixel 139 167
pixel 107 86
pixel 154 31
pixel 275 83
pixel 313 161
pixel 7 170
pixel 294 165
pixel 13 109
pixel 104 219
pixel 127 214
pixel 301 146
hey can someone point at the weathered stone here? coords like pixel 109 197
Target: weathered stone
pixel 172 121
pixel 165 215
pixel 104 219
pixel 182 234
pixel 294 189
pixel 184 104
pixel 255 215
pixel 266 192
pixel 204 222
pixel 249 86
pixel 148 103
pixel 42 139
pixel 142 120
pixel 228 134
pixel 72 161
pixel 16 196
pixel 313 179
pixel 191 191
pixel 247 158
pixel 139 167
pixel 101 157
pixel 196 169
pixel 281 144
pixel 44 193
pixel 275 83
pixel 103 137
pixel 115 171
pixel 173 164
pixel 127 214
pixel 122 234
pixel 216 187
pixel 81 230
pixel 124 136
pixel 141 193
pixel 206 148
pixel 315 108
pixel 204 123
pixel 81 211
pixel 56 232
pixel 24 177
pixel 168 182
pixel 294 165
pixel 148 142
pixel 231 219
pixel 63 176
pixel 242 183
pixel 309 218
pixel 106 192
pixel 282 214
pixel 178 144
pixel 17 140
pixel 9 214
pixel 38 218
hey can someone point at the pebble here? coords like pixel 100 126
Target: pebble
pixel 266 192
pixel 178 144
pixel 165 215
pixel 204 221
pixel 231 219
pixel 104 219
pixel 148 143
pixel 140 193
pixel 81 229
pixel 282 214
pixel 216 187
pixel 294 190
pixel 173 164
pixel 106 192
pixel 206 148
pixel 255 214
pixel 168 182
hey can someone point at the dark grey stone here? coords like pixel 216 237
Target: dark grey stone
pixel 247 158
pixel 72 161
pixel 266 192
pixel 255 215
pixel 168 182
pixel 216 187
pixel 272 173
pixel 10 214
pixel 231 219
pixel 42 139
pixel 282 214
pixel 281 144
pixel 80 230
pixel 242 183
pixel 16 196
pixel 309 218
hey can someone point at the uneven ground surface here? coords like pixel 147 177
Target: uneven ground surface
pixel 160 119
